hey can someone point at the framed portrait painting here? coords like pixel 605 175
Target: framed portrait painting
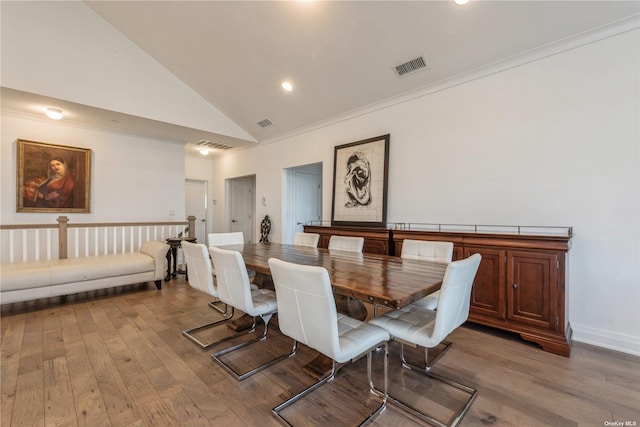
pixel 52 178
pixel 360 173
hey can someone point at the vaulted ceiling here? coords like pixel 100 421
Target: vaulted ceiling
pixel 340 56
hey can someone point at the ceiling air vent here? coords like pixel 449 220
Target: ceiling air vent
pixel 203 143
pixel 410 66
pixel 264 123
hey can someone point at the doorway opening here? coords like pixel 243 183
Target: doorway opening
pixel 241 206
pixel 196 204
pixel 302 198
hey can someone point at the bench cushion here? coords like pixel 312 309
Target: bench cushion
pixel 35 274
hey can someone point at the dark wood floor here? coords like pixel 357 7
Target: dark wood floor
pixel 118 358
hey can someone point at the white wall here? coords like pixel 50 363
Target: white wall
pixel 552 142
pixel 133 179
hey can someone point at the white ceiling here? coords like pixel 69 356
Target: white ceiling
pixel 339 55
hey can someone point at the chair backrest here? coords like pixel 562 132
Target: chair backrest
pixel 232 279
pixel 346 243
pixel 306 239
pixel 221 239
pixel 199 267
pixel 427 250
pixel 306 307
pixel 455 296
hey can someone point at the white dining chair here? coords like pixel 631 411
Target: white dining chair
pixel 346 243
pixel 235 290
pixel 306 239
pixel 200 277
pixel 226 239
pixel 428 251
pixel 223 239
pixel 424 328
pixel 307 313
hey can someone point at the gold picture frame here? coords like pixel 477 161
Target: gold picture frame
pixel 52 178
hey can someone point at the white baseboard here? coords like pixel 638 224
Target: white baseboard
pixel 607 339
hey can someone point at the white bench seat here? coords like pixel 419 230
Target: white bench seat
pixel 40 279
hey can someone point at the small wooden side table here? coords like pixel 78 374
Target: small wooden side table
pixel 172 255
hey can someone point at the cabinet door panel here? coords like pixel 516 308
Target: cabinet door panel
pixel 488 293
pixel 458 253
pixel 375 247
pixel 531 288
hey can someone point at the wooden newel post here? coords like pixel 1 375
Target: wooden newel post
pixel 192 226
pixel 62 237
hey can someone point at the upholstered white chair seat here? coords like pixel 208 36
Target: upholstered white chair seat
pixel 429 302
pixel 264 301
pixel 411 323
pixel 355 335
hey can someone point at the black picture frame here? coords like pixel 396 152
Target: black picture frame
pixel 360 179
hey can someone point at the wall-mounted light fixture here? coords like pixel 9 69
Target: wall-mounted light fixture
pixel 54 113
pixel 204 151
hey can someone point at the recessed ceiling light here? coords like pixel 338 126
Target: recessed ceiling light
pixel 204 151
pixel 54 113
pixel 287 86
pixel 461 2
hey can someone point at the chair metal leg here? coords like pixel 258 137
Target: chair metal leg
pixel 427 365
pixel 330 375
pixel 427 371
pixel 214 305
pixel 240 376
pixel 189 332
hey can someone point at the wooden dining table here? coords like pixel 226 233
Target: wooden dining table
pixel 382 280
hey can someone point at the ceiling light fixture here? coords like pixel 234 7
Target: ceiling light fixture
pixel 461 2
pixel 287 86
pixel 54 113
pixel 204 151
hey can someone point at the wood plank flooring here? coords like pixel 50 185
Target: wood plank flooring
pixel 118 358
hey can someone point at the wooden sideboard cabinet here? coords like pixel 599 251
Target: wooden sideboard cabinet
pixel 520 284
pixel 376 240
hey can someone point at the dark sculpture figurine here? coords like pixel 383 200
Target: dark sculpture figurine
pixel 265 229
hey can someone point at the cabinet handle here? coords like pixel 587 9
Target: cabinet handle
pixel 515 286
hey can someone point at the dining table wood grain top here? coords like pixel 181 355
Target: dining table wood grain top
pixel 378 279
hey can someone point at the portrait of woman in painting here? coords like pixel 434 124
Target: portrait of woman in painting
pixel 52 178
pixel 52 191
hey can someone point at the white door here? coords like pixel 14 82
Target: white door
pixel 196 204
pixel 302 198
pixel 307 196
pixel 241 204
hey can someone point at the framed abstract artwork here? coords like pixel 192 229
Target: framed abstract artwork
pixel 360 174
pixel 52 178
